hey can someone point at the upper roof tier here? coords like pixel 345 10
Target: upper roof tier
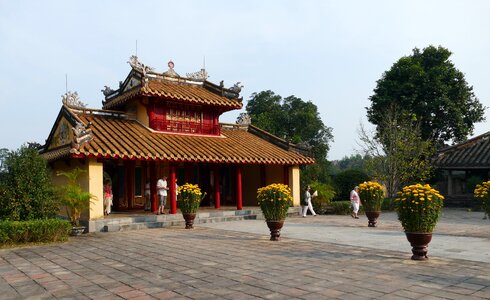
pixel 192 89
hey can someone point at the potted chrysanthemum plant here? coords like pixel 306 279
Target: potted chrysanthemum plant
pixel 189 199
pixel 482 192
pixel 419 208
pixel 371 194
pixel 274 201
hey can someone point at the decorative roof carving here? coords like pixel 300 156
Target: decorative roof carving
pixel 244 119
pixel 139 66
pixel 81 134
pixel 198 76
pixel 107 91
pixel 72 99
pixel 237 88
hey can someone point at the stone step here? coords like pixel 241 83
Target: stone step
pixel 175 222
pixel 146 221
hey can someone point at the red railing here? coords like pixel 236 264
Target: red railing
pixel 184 127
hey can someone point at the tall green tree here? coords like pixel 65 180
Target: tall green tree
pixel 398 155
pixel 296 121
pixel 428 85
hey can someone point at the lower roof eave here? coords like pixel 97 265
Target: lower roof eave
pixel 246 161
pixel 463 167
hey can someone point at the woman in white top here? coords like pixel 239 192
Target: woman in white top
pixel 355 201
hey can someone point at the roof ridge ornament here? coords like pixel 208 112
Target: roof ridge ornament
pixel 107 90
pixel 171 72
pixel 237 88
pixel 244 119
pixel 232 92
pixel 201 75
pixel 71 99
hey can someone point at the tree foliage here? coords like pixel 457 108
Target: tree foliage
pixel 296 121
pixel 354 161
pixel 290 118
pixel 399 155
pixel 26 190
pixel 345 182
pixel 3 156
pixel 428 85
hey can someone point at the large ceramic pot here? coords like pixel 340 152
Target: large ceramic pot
pixel 275 228
pixel 372 218
pixel 419 242
pixel 76 231
pixel 189 220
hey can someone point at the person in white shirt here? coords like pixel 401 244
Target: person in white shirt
pixel 162 189
pixel 307 202
pixel 355 201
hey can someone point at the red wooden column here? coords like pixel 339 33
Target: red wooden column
pixel 153 186
pixel 217 200
pixel 173 194
pixel 238 187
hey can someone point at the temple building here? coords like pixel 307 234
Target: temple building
pixel 462 166
pixel 163 124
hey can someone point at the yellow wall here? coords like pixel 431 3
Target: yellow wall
pixel 90 181
pixel 294 184
pixel 141 114
pixel 273 174
pixel 95 183
pixel 65 166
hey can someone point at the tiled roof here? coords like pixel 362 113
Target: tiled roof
pixel 190 93
pixel 180 91
pixel 58 153
pixel 472 154
pixel 117 137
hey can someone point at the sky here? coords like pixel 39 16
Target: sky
pixel 328 52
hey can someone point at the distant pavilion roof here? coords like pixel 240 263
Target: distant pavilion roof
pixel 472 154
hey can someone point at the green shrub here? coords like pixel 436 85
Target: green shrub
pixel 345 181
pixel 33 231
pixel 26 190
pixel 342 208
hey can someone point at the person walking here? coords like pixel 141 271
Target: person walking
pixel 307 202
pixel 162 189
pixel 355 202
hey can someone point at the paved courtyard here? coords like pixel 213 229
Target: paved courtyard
pixel 323 257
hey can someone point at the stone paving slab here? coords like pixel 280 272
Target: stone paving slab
pixel 213 263
pixel 459 234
